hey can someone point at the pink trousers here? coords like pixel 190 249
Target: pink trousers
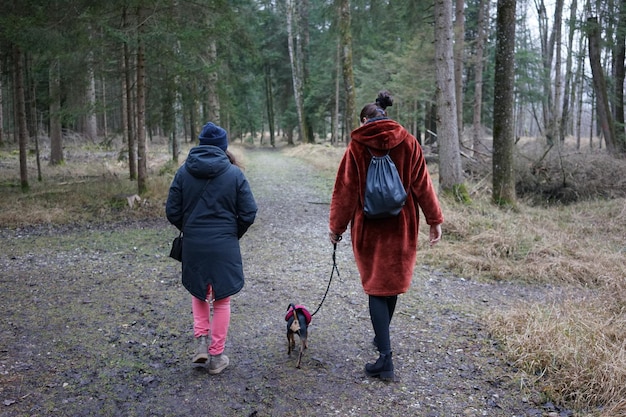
pixel 217 326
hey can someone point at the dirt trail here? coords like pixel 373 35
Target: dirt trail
pixel 95 322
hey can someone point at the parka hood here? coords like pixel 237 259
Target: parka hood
pixel 383 134
pixel 206 161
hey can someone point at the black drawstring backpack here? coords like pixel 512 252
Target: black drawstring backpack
pixel 384 192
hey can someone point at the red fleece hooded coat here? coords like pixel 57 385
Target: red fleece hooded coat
pixel 385 250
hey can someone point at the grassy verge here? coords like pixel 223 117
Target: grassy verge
pixel 573 349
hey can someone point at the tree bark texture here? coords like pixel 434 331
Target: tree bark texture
pixel 547 53
pixel 296 68
pixel 568 95
pixel 503 123
pixel 605 120
pixel 459 48
pixel 345 39
pixel 558 78
pixel 269 99
pixel 18 61
pixel 620 75
pixel 303 40
pixel 128 106
pixel 56 137
pixel 142 169
pixel 450 172
pixel 477 130
pixel 91 122
pixel 212 93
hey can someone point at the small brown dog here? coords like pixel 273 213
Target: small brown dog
pixel 299 326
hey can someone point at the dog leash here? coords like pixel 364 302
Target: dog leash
pixel 331 277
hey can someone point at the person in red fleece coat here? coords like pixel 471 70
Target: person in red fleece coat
pixel 385 250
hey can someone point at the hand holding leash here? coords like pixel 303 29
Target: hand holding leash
pixel 334 238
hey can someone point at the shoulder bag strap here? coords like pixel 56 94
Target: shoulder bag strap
pixel 372 153
pixel 196 202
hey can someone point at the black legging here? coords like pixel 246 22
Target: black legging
pixel 381 313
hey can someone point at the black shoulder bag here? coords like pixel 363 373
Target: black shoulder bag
pixel 177 245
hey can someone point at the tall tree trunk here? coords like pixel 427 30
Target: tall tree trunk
pixel 212 94
pixel 128 101
pixel 269 99
pixel 168 112
pixel 542 22
pixel 142 170
pixel 345 39
pixel 547 54
pixel 450 172
pixel 56 136
pixel 580 82
pixel 302 41
pixel 296 69
pixel 32 115
pixel 459 48
pixel 477 130
pixel 503 123
pixel 567 94
pixel 192 111
pixel 605 120
pixel 124 98
pixel 620 74
pixel 22 126
pixel 91 122
pixel 558 77
pixel 105 121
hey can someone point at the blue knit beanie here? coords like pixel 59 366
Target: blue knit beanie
pixel 213 135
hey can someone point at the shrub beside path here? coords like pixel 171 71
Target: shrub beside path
pixel 95 322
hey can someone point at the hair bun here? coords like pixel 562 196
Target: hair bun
pixel 384 99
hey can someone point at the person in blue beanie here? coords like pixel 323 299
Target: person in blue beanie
pixel 211 202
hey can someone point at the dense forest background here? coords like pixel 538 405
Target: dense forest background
pixel 463 74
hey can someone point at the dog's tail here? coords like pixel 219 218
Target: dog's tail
pixel 295 324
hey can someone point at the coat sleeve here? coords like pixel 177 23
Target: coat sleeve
pixel 174 206
pixel 246 207
pixel 424 192
pixel 345 197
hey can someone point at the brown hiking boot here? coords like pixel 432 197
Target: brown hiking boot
pixel 202 350
pixel 218 363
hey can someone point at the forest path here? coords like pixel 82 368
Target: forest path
pixel 96 322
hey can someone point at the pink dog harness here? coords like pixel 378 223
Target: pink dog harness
pixel 301 309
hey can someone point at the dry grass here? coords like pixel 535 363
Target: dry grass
pixel 573 348
pixel 577 244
